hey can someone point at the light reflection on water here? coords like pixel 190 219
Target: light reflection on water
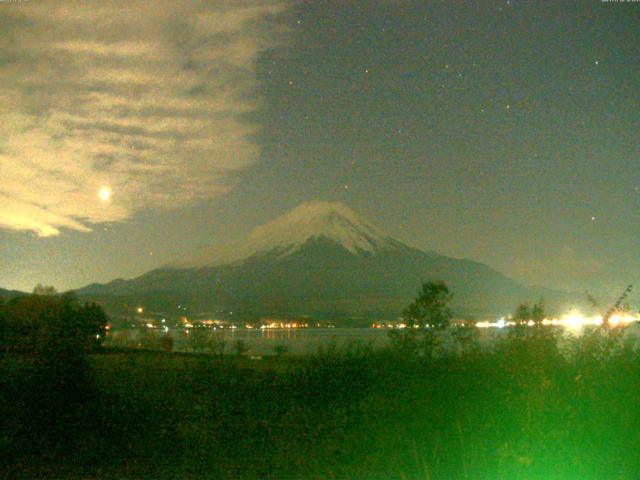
pixel 262 342
pixel 297 341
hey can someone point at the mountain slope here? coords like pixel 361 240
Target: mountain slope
pixel 320 260
pixel 289 232
pixel 8 294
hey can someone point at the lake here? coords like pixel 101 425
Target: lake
pixel 296 341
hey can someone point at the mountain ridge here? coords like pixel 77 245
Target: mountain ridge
pixel 319 259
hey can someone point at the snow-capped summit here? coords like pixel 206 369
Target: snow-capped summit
pixel 332 220
pixel 289 232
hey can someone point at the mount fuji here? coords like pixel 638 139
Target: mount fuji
pixel 320 260
pixel 290 233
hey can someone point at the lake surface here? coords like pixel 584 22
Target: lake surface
pixel 296 341
pixel 263 342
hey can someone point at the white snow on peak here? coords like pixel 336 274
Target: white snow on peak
pixel 287 233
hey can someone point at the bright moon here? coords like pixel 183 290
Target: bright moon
pixel 104 194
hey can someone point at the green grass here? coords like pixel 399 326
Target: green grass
pixel 520 411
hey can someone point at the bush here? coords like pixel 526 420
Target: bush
pixel 240 347
pixel 280 349
pixel 166 343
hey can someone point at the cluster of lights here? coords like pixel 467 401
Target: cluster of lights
pixel 573 320
pixel 392 325
pixel 277 325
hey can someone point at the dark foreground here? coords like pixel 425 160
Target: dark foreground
pixel 520 411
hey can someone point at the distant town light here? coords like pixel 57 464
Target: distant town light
pixel 573 320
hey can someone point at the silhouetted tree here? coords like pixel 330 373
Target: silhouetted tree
pixel 466 334
pixel 620 306
pixel 43 290
pixel 92 324
pixel 146 338
pixel 199 337
pixel 521 318
pixel 431 307
pixel 537 312
pixel 522 314
pixel 240 347
pixel 430 311
pixel 166 343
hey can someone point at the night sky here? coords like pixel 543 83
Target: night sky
pixel 507 132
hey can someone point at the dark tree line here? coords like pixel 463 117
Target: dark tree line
pixel 50 324
pixel 49 401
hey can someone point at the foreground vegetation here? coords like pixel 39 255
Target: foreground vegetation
pixel 528 406
pixel 521 410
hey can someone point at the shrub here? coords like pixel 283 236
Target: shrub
pixel 166 343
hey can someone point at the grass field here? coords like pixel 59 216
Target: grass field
pixel 521 410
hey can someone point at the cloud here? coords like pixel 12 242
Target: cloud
pixel 146 98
